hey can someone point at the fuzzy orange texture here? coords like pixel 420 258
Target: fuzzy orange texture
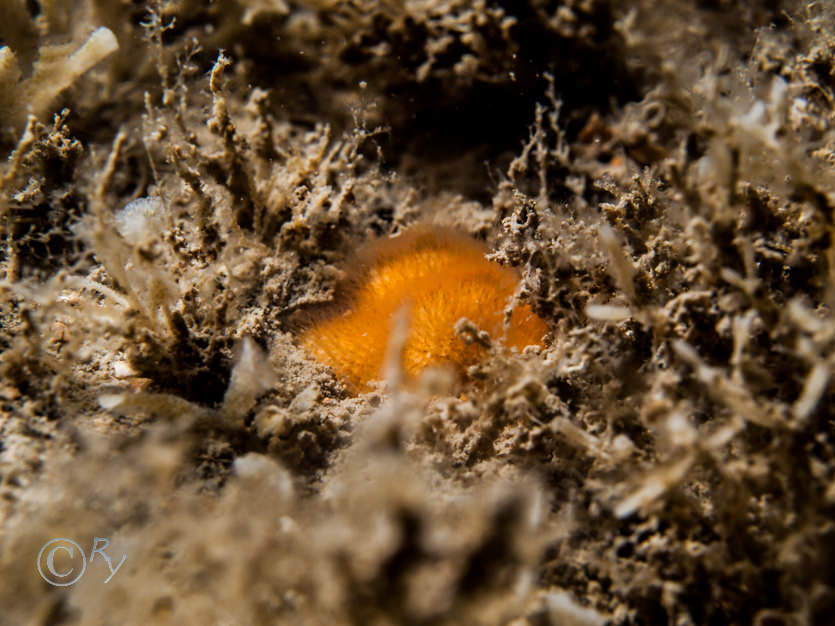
pixel 441 276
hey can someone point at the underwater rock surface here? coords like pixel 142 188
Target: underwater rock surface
pixel 182 186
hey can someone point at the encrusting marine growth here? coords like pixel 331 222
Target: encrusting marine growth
pixel 440 276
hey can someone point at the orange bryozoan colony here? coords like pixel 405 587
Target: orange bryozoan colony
pixel 440 276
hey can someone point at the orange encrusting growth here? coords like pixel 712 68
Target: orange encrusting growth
pixel 441 276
